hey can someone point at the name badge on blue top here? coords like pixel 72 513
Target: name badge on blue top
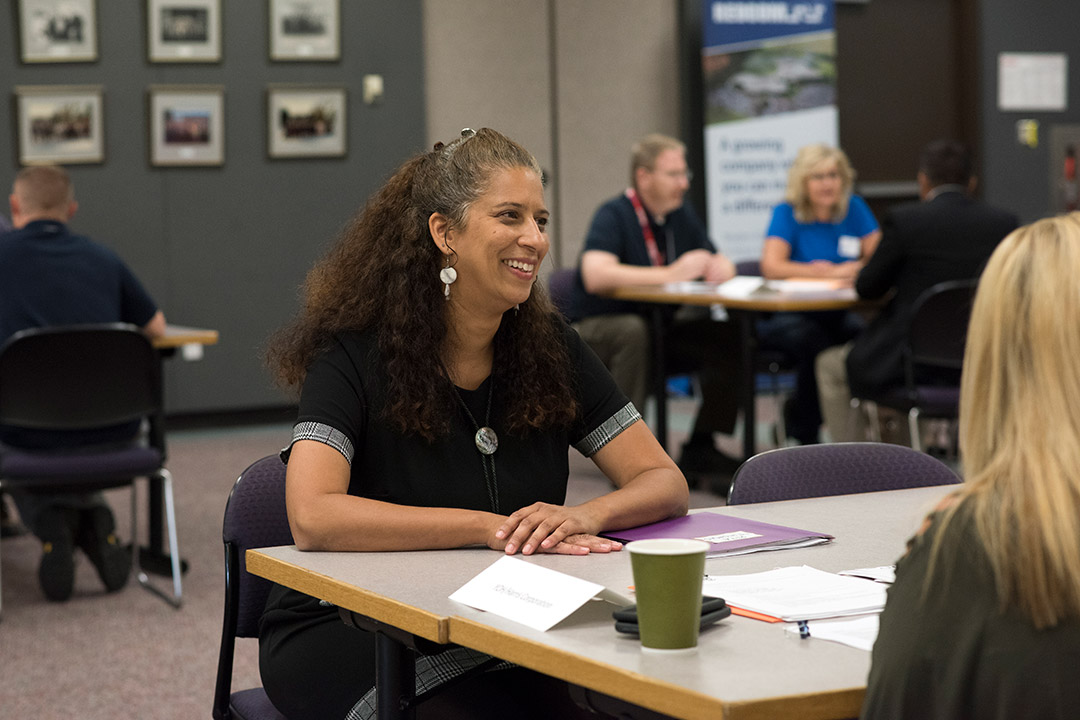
pixel 850 247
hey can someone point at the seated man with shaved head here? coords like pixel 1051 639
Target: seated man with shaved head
pixel 50 276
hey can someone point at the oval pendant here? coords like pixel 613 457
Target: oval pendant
pixel 448 275
pixel 486 440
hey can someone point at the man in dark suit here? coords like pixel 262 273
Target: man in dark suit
pixel 947 236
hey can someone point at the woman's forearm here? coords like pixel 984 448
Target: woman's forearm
pixel 345 522
pixel 654 495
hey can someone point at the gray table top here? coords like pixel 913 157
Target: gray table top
pixel 743 668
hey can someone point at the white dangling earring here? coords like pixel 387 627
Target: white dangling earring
pixel 448 276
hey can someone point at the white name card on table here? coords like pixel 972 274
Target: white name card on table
pixel 535 596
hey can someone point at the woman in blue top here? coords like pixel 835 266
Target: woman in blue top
pixel 821 230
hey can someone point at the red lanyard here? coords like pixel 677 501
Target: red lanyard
pixel 646 228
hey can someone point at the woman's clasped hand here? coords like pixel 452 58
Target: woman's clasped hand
pixel 542 527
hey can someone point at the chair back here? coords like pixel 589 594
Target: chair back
pixel 255 517
pixel 560 286
pixel 939 321
pixel 78 376
pixel 806 471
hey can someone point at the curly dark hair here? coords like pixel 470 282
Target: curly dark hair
pixel 383 274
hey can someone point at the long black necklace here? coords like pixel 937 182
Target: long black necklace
pixel 487 442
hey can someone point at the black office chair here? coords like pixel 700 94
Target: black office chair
pixel 936 337
pixel 774 365
pixel 806 471
pixel 254 517
pixel 86 377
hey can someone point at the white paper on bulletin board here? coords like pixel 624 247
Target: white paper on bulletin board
pixel 1032 81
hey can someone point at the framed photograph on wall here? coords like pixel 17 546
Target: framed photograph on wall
pixel 60 124
pixel 57 30
pixel 305 30
pixel 183 30
pixel 306 121
pixel 187 125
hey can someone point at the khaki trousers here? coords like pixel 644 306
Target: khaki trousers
pixel 841 422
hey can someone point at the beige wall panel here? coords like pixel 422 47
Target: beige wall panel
pixel 610 66
pixel 487 64
pixel 616 79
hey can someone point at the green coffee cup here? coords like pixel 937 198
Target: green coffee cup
pixel 668 573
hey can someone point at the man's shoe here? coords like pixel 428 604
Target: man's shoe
pixel 56 528
pixel 98 541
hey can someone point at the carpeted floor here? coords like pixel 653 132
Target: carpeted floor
pixel 131 656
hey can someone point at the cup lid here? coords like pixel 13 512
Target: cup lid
pixel 668 546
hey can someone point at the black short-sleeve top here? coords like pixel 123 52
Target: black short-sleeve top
pixel 342 405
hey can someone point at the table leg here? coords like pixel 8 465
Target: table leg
pixel 395 679
pixel 748 345
pixel 659 375
pixel 153 557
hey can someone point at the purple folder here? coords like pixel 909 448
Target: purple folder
pixel 726 534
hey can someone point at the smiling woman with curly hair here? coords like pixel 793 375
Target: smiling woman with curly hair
pixel 440 393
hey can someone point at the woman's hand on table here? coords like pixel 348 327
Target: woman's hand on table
pixel 542 527
pixel 848 270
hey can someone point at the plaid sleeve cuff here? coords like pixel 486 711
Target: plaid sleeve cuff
pixel 608 430
pixel 326 435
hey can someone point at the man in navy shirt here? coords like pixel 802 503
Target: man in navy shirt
pixel 49 276
pixel 648 235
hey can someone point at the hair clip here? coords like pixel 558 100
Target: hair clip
pixel 467 132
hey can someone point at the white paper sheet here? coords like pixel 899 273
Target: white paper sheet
pixel 1033 81
pixel 798 593
pixel 858 632
pixel 740 286
pixel 883 574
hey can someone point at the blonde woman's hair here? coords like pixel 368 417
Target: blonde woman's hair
pixel 1020 420
pixel 807 160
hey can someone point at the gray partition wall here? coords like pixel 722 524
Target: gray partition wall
pixel 227 247
pixel 1016 175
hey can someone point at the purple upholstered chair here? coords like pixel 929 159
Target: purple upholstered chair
pixel 834 469
pixel 85 377
pixel 935 342
pixel 560 287
pixel 254 517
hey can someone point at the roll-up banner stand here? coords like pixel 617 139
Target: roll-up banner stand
pixel 769 72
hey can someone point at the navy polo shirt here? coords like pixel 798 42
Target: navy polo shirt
pixel 49 277
pixel 615 229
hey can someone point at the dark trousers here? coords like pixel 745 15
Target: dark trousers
pixel 697 343
pixel 801 336
pixel 317 668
